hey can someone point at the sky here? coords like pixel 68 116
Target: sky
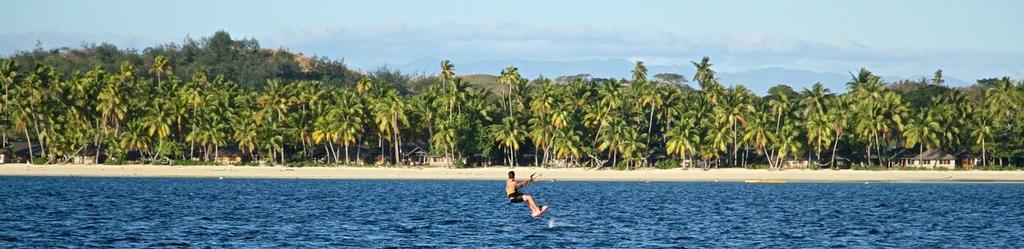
pixel 903 39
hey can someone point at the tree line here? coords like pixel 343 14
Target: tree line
pixel 332 115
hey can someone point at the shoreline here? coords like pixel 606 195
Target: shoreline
pixel 498 173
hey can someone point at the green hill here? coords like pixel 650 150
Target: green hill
pixel 485 81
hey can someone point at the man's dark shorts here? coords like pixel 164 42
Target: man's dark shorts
pixel 515 197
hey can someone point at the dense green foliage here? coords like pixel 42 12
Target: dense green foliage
pixel 186 102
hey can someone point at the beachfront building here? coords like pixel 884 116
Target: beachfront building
pixel 438 160
pixel 228 155
pixel 937 159
pixel 415 156
pixel 793 162
pixel 19 152
pixel 89 155
pixel 967 160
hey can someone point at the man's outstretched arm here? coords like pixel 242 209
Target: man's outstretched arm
pixel 525 182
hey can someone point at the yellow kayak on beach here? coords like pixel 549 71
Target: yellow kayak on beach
pixel 764 181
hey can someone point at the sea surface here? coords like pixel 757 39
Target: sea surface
pixel 56 212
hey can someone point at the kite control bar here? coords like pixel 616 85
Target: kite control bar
pixel 534 176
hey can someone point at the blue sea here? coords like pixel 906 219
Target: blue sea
pixel 56 212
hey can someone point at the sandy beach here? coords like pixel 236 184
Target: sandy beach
pixel 498 173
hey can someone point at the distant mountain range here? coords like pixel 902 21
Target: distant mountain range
pixel 757 80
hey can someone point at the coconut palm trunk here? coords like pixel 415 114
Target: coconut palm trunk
pixel 329 146
pixel 398 138
pixel 650 127
pixel 734 136
pixel 160 144
pixel 31 153
pixel 984 160
pixel 39 138
pixel 835 145
pixel 878 149
pixel 282 155
pixel 867 151
pixel 346 154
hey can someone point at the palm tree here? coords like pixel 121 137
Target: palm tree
pixel 892 112
pixel 366 86
pixel 597 117
pixel 779 105
pixel 611 140
pixel 868 117
pixel 508 135
pixel 447 72
pixel 161 66
pixel 271 141
pixel 837 120
pixel 814 101
pixel 639 72
pixel 212 135
pixel 813 109
pixel 510 77
pixel 541 131
pixel 276 97
pixel 673 106
pixel 458 93
pixel 192 96
pixel 32 96
pixel 921 131
pixel 389 115
pixel 566 145
pixel 8 75
pixel 1004 100
pixel 758 134
pixel 704 74
pixel 134 138
pixel 786 143
pixel 865 129
pixel 602 114
pixel 157 124
pixel 937 79
pixel 308 96
pixel 324 132
pixel 648 96
pixel 717 139
pixel 683 139
pixel 479 101
pixel 981 130
pixel 445 138
pixel 819 134
pixel 245 132
pixel 350 121
pixel 631 147
pixel 736 104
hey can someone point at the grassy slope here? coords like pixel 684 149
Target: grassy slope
pixel 485 81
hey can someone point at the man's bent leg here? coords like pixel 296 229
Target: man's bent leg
pixel 533 205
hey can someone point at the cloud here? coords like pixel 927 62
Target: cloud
pixel 398 43
pixel 500 43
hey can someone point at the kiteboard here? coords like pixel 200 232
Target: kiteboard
pixel 543 209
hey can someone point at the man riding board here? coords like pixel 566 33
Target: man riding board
pixel 512 190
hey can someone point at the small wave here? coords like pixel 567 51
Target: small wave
pixel 553 223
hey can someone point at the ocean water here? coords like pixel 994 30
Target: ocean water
pixel 54 212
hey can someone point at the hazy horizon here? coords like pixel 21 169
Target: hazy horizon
pixel 752 43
